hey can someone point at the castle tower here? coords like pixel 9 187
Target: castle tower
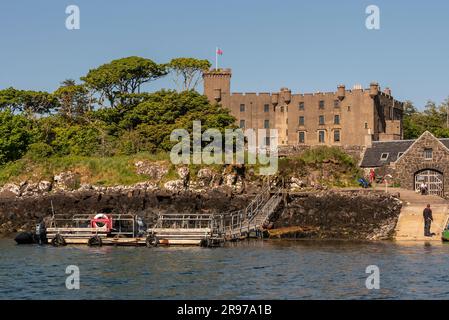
pixel 217 86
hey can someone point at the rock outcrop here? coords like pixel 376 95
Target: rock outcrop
pixel 360 215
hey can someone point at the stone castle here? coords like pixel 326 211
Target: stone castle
pixel 343 118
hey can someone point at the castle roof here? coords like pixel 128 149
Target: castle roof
pixel 385 152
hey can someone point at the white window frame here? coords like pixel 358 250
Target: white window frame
pixel 384 156
pixel 426 150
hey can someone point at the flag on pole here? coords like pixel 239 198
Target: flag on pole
pixel 218 52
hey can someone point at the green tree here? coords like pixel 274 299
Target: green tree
pixel 15 136
pixel 434 119
pixel 74 100
pixel 76 140
pixel 123 76
pixel 188 71
pixel 412 129
pixel 28 102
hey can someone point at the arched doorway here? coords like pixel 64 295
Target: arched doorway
pixel 433 179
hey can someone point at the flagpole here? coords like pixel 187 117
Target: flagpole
pixel 216 58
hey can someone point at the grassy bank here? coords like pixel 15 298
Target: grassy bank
pixel 324 165
pixel 108 171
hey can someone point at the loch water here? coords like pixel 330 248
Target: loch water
pixel 247 270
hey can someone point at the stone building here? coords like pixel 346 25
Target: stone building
pixel 411 162
pixel 342 118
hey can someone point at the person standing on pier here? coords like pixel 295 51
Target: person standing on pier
pixel 427 214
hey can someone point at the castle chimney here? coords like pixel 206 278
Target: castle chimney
pixel 275 98
pixel 286 95
pixel 374 89
pixel 341 92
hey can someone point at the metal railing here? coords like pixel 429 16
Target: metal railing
pixel 253 216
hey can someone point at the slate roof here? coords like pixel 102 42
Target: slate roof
pixel 372 156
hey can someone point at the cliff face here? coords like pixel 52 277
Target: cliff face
pixel 360 215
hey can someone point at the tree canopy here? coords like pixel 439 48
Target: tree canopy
pixel 15 136
pixel 433 119
pixel 188 71
pixel 29 102
pixel 73 120
pixel 123 76
pixel 74 100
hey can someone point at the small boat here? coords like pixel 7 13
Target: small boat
pixel 38 236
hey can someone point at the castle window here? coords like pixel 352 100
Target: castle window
pixel 321 120
pixel 266 124
pixel 301 120
pixel 428 154
pixel 301 137
pixel 286 132
pixel 400 154
pixel 337 136
pixel 242 124
pixel 242 108
pixel 267 141
pixel 321 134
pixel 336 119
pixel 384 156
pixel 321 104
pixel 336 103
pixel 349 108
pixel 266 108
pixel 301 106
pixel 282 109
pixel 366 125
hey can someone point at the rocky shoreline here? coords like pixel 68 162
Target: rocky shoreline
pixel 348 215
pixel 309 210
pixel 332 214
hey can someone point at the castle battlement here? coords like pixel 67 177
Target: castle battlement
pixel 349 117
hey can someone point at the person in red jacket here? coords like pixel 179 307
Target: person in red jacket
pixel 372 176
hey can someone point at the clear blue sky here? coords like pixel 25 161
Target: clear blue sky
pixel 307 46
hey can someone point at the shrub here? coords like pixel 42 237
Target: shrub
pixel 38 151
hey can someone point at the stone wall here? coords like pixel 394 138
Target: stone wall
pixel 414 161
